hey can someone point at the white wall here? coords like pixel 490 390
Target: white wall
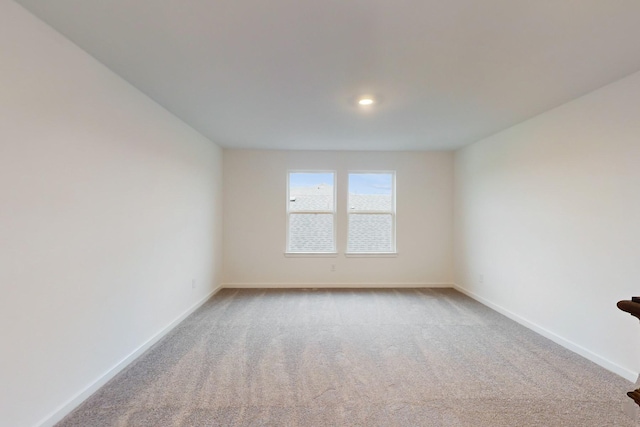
pixel 548 212
pixel 109 207
pixel 255 220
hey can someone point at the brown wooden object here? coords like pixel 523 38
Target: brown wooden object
pixel 633 308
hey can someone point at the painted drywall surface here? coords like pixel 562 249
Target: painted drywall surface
pixel 255 220
pixel 547 222
pixel 109 207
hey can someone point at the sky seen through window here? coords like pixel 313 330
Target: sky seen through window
pixel 359 183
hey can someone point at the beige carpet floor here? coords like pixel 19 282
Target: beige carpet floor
pixel 402 357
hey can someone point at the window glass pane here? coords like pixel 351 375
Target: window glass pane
pixel 311 233
pixel 370 233
pixel 371 191
pixel 310 192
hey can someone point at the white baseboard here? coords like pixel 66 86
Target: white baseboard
pixel 299 285
pixel 57 415
pixel 587 354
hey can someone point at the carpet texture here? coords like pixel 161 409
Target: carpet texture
pixel 394 357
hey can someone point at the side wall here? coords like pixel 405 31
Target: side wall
pixel 547 220
pixel 255 220
pixel 110 207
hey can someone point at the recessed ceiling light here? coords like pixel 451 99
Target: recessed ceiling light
pixel 364 101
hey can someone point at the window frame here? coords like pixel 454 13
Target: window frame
pixel 394 249
pixel 334 251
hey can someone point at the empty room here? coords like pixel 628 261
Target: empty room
pixel 319 213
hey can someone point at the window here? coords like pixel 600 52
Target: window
pixel 371 212
pixel 311 212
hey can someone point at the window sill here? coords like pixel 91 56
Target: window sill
pixel 371 255
pixel 311 254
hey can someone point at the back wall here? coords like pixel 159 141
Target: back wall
pixel 255 220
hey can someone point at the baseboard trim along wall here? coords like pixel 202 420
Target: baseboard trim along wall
pixel 74 402
pixel 587 354
pixel 333 285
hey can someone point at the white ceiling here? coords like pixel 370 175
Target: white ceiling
pixel 283 74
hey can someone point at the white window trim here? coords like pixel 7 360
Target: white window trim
pixel 371 255
pixel 394 252
pixel 311 254
pixel 332 253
